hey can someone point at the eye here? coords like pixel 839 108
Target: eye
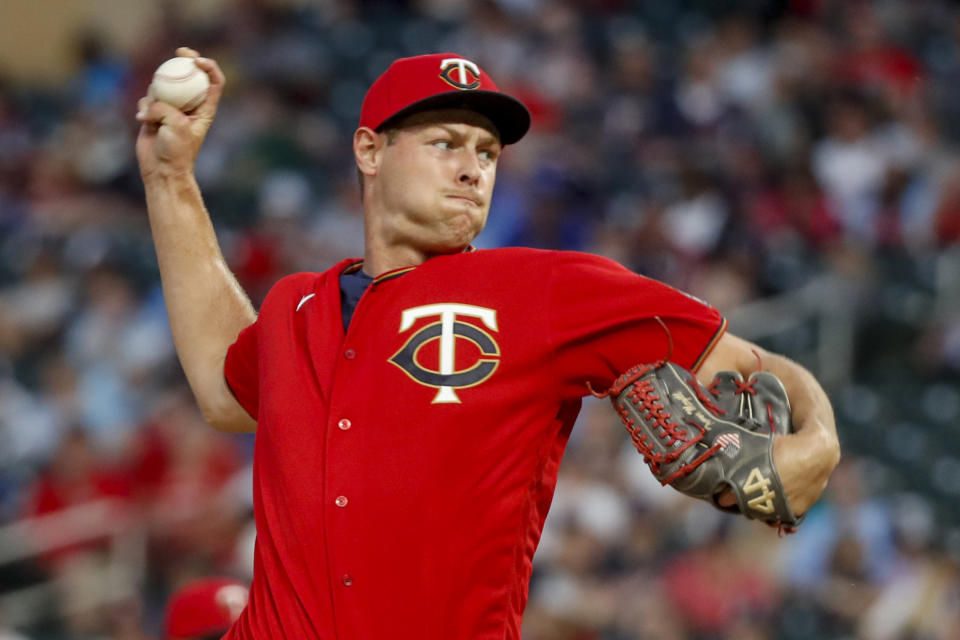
pixel 442 144
pixel 488 155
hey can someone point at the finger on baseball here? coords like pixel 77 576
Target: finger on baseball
pixel 160 113
pixel 187 52
pixel 217 80
pixel 212 69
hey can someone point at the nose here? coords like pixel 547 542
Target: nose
pixel 469 170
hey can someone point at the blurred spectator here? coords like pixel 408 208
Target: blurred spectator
pixel 794 208
pixel 33 310
pixel 78 504
pixel 843 554
pixel 695 223
pixel 699 95
pixel 718 592
pixel 31 429
pixel 101 76
pixel 182 471
pixel 851 166
pixel 746 67
pixel 74 477
pixel 848 526
pixel 873 62
pixel 921 598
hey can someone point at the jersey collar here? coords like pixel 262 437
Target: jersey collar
pixel 353 267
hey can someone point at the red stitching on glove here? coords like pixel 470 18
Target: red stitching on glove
pixel 643 395
pixel 746 387
pixel 712 388
pixel 693 464
pixel 704 400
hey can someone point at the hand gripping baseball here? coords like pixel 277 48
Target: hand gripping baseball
pixel 169 139
pixel 703 441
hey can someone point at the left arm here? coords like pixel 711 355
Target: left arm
pixel 804 459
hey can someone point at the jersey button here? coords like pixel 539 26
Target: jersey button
pixel 349 354
pixel 344 424
pixel 341 501
pixel 347 580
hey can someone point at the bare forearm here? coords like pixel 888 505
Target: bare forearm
pixel 205 303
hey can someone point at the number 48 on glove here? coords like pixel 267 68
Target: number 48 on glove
pixel 703 440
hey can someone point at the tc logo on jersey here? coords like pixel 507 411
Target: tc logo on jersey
pixel 460 73
pixel 447 330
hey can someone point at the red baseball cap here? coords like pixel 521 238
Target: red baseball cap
pixel 203 607
pixel 441 81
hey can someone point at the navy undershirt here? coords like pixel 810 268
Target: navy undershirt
pixel 352 286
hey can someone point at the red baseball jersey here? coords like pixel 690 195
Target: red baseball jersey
pixel 403 468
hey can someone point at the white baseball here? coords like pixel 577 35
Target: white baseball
pixel 181 83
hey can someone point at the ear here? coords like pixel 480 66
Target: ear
pixel 367 145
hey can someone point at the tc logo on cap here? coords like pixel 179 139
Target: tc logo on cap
pixel 460 73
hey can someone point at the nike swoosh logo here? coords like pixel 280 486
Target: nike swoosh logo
pixel 304 299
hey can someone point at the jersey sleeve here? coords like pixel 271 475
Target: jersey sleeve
pixel 604 319
pixel 241 369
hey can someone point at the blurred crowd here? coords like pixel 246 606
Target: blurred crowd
pixel 741 151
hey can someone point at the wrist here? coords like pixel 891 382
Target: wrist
pixel 821 442
pixel 170 182
pixel 169 174
pixel 814 448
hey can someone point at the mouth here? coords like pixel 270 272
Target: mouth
pixel 463 198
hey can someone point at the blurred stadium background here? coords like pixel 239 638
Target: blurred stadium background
pixel 795 162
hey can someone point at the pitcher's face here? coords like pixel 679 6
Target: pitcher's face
pixel 437 174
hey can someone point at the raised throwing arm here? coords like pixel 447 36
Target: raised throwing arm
pixel 205 303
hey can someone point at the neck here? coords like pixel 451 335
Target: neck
pixel 378 260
